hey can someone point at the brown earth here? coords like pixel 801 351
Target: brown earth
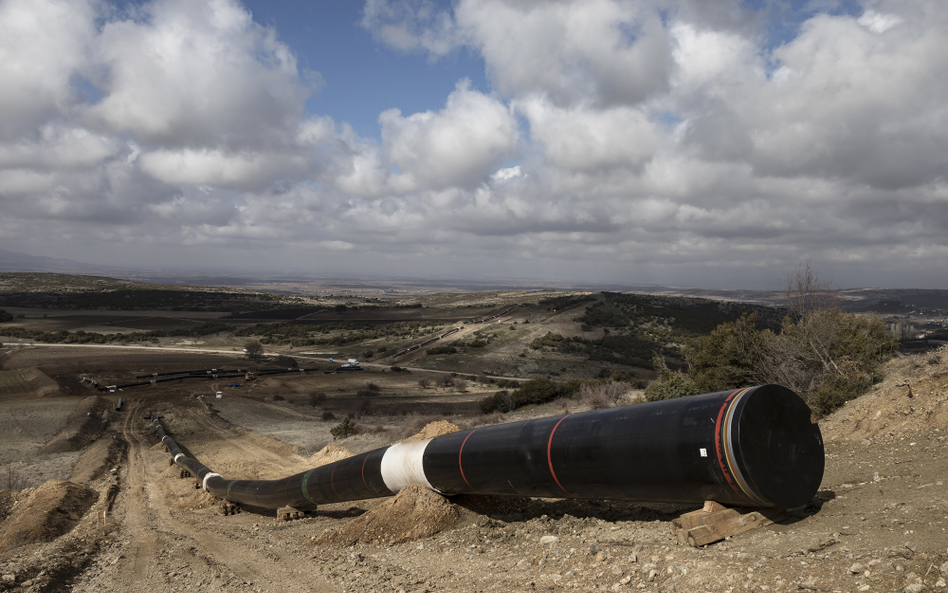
pixel 412 514
pixel 83 427
pixel 48 512
pixel 878 522
pixel 432 430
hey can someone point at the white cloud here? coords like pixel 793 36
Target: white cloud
pixel 216 167
pixel 43 45
pixel 458 145
pixel 197 73
pixel 707 56
pixel 602 51
pixel 411 25
pixel 507 173
pixel 582 138
pixel 878 23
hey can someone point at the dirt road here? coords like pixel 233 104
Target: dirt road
pixel 162 545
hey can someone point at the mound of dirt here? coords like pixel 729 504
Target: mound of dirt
pixel 911 398
pixel 329 454
pixel 41 383
pixel 432 430
pixel 199 500
pixel 412 514
pixel 84 426
pixel 100 457
pixel 26 383
pixel 49 512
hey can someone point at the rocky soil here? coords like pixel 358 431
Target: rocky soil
pixel 878 522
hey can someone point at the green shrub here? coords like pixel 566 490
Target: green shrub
pixel 498 402
pixel 442 350
pixel 540 391
pixel 835 391
pixel 670 384
pixel 344 429
pixel 730 356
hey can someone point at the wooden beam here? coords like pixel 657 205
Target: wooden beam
pixel 715 522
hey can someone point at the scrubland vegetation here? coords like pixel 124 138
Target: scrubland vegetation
pixel 569 345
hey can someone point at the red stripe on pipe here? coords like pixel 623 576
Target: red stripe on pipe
pixel 461 450
pixel 331 482
pixel 363 472
pixel 549 458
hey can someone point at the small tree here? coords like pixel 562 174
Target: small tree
pixel 460 385
pixel 344 429
pixel 253 350
pixel 499 402
pixel 424 382
pixel 602 395
pixel 670 384
pixel 12 479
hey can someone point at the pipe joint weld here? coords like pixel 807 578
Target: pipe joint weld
pixel 209 476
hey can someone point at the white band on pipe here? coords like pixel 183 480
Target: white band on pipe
pixel 208 477
pixel 402 465
pixel 178 455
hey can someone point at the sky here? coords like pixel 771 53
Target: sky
pixel 704 143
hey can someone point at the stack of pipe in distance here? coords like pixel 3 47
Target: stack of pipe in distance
pixel 753 447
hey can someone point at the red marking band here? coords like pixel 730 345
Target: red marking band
pixel 461 450
pixel 549 458
pixel 331 482
pixel 717 444
pixel 363 472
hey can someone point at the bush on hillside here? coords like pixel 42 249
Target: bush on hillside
pixel 498 402
pixel 827 356
pixel 670 384
pixel 344 429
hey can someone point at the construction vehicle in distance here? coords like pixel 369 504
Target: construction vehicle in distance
pixel 250 376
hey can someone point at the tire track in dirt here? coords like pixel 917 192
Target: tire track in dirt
pixel 223 441
pixel 143 545
pixel 163 544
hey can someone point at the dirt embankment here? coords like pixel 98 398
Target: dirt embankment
pixel 98 458
pixel 84 426
pixel 26 382
pixel 48 512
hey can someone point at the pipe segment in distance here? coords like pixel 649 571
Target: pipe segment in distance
pixel 753 447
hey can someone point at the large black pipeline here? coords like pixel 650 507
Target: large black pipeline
pixel 751 447
pixel 229 375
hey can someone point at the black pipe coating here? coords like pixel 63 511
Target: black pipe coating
pixel 752 447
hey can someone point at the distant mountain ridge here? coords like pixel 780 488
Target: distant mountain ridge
pixel 14 261
pixel 876 300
